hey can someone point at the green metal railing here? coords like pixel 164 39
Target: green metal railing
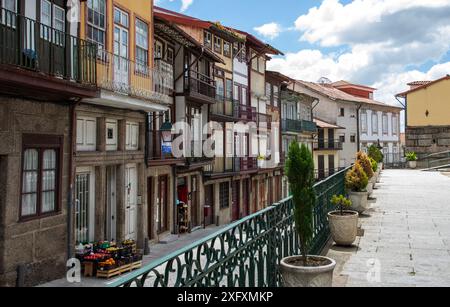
pixel 246 253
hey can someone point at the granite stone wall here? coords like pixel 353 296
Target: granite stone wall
pixel 37 246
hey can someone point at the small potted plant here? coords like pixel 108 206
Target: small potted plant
pixel 375 170
pixel 411 157
pixel 364 160
pixel 343 222
pixel 304 270
pixel 356 182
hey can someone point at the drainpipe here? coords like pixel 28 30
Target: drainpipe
pixel 358 137
pixel 174 196
pixel 70 194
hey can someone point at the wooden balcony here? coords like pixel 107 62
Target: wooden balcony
pixel 199 87
pixel 320 145
pixel 40 61
pixel 230 166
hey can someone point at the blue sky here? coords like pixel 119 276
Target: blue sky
pixel 382 43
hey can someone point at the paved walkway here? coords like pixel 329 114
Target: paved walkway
pixel 405 236
pixel 157 251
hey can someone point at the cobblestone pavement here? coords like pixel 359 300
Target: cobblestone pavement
pixel 157 251
pixel 405 235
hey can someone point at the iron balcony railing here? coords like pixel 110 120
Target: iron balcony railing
pixel 35 46
pixel 200 85
pixel 224 107
pixel 309 126
pixel 246 112
pixel 325 173
pixel 223 165
pixel 246 253
pixel 327 145
pixel 291 125
pixel 122 75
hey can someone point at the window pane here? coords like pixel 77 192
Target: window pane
pixel 28 204
pixel 49 159
pixel 48 202
pixel 30 158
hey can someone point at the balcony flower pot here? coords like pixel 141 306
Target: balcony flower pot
pixel 359 201
pixel 343 223
pixel 412 164
pixel 356 182
pixel 343 227
pixel 318 272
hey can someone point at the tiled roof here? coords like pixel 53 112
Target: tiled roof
pixel 333 93
pixel 344 83
pixel 424 85
pixel 323 124
pixel 419 83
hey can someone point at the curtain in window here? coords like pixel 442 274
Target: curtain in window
pixel 29 184
pixel 48 181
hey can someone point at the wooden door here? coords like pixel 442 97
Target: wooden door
pixel 111 224
pixel 331 165
pixel 321 140
pixel 209 204
pixel 151 209
pixel 245 197
pixel 321 167
pixel 163 209
pixel 330 138
pixel 236 203
pixel 195 206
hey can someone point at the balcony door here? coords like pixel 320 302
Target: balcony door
pixel 121 56
pixel 321 140
pixel 49 54
pixel 236 200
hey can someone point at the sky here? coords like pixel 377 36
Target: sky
pixel 381 43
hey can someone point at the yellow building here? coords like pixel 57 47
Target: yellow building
pixel 428 116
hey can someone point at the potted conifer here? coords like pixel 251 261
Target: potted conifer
pixel 356 182
pixel 364 160
pixel 343 222
pixel 304 270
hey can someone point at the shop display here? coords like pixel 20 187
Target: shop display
pixel 107 259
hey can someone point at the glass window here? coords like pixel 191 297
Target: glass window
pixel 96 29
pixel 40 177
pixel 141 45
pixel 395 125
pixel 269 90
pixel 229 89
pixel 220 88
pixel 276 95
pixel 226 49
pixel 364 122
pixel 224 195
pixel 385 124
pixel 353 138
pixel 374 123
pixel 207 39
pixel 217 44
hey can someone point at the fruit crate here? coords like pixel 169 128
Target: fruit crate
pixel 119 271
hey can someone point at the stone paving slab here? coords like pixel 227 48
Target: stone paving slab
pixel 406 235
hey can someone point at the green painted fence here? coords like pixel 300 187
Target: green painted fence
pixel 245 253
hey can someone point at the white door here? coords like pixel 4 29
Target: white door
pixel 112 201
pixel 84 205
pixel 121 58
pixel 130 201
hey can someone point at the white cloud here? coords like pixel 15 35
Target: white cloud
pixel 380 40
pixel 270 30
pixel 185 4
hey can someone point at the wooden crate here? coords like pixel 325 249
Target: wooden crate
pixel 119 271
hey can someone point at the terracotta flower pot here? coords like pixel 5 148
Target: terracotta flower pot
pixel 297 275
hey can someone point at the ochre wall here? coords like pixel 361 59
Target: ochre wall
pixel 436 100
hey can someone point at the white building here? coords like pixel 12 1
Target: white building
pixel 365 120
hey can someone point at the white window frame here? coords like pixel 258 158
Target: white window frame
pixel 7 18
pixel 82 141
pixel 385 124
pixel 112 144
pixel 101 45
pixel 132 136
pixel 364 126
pixel 394 124
pixel 375 123
pixel 91 223
pixel 141 32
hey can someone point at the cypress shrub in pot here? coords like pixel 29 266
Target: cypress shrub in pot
pixel 304 270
